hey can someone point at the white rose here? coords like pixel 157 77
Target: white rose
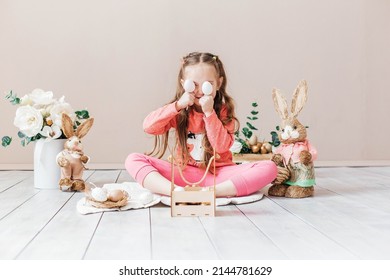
pixel 41 97
pixel 236 147
pixel 51 132
pixel 61 108
pixel 29 120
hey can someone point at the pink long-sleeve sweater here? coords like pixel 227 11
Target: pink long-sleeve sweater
pixel 221 136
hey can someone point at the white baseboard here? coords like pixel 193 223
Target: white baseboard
pixel 22 166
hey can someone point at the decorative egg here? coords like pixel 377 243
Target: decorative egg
pixel 99 194
pixel 146 197
pixel 179 189
pixel 255 149
pixel 252 140
pixel 263 150
pixel 268 146
pixel 115 195
pixel 207 88
pixel 189 85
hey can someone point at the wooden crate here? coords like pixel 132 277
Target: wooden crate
pixel 193 201
pixel 241 158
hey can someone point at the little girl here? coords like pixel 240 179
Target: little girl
pixel 202 123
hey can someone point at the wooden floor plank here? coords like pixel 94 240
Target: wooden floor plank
pixel 26 222
pixel 323 212
pixel 181 238
pixel 293 236
pixel 9 179
pixel 69 233
pixel 363 187
pixel 236 237
pixel 13 197
pixel 122 235
pixel 125 177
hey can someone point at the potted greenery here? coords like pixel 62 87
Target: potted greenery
pixel 247 147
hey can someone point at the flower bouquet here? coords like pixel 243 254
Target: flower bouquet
pixel 39 119
pixel 39 116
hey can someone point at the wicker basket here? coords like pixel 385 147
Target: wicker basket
pixel 108 203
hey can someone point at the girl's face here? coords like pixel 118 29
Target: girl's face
pixel 200 73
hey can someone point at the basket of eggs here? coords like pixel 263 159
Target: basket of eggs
pixel 256 151
pixel 106 198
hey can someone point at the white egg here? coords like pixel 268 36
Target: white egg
pixel 146 197
pixel 207 88
pixel 179 189
pixel 99 194
pixel 189 85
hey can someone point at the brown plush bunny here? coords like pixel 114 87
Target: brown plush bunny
pixel 295 155
pixel 72 159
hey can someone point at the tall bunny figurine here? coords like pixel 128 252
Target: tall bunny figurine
pixel 72 159
pixel 295 155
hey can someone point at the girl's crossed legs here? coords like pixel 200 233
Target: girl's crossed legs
pixel 232 180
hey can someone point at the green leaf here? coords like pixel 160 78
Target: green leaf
pixel 252 118
pixel 254 104
pixel 247 133
pixel 21 134
pixel 275 139
pixel 5 141
pixel 83 114
pixel 254 112
pixel 251 126
pixel 277 128
pixel 11 97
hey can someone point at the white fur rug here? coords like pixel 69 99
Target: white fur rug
pixel 142 198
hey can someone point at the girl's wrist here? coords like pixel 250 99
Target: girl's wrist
pixel 208 114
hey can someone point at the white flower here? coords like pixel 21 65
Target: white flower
pixel 41 97
pixel 26 100
pixel 236 147
pixel 51 132
pixel 29 120
pixel 58 109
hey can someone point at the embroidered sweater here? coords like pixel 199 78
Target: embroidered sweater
pixel 221 137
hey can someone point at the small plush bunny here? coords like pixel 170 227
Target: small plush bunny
pixel 295 156
pixel 72 159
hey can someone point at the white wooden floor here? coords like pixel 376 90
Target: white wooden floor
pixel 348 218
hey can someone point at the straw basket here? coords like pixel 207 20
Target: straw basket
pixel 108 203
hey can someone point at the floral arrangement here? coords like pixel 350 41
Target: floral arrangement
pixel 39 116
pixel 248 143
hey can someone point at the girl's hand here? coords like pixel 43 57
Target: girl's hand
pixel 207 103
pixel 187 99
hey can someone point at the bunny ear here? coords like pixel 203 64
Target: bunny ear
pixel 280 103
pixel 83 129
pixel 299 98
pixel 67 126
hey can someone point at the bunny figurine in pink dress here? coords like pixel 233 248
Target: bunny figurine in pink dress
pixel 72 158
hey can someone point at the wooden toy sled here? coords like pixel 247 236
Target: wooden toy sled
pixel 192 200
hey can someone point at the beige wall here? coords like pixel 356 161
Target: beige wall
pixel 120 59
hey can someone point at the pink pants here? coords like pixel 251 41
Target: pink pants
pixel 247 178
